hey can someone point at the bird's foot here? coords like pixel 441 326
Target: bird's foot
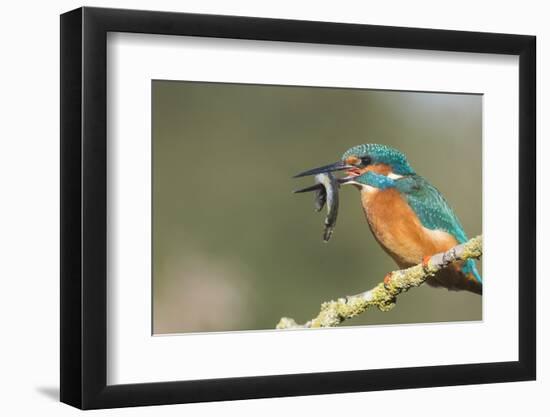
pixel 426 262
pixel 387 279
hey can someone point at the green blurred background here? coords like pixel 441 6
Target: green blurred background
pixel 234 249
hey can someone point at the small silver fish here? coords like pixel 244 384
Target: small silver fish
pixel 326 192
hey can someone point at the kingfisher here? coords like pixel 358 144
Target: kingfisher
pixel 407 215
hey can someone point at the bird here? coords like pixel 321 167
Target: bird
pixel 407 215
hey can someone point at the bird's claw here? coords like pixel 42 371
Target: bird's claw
pixel 426 262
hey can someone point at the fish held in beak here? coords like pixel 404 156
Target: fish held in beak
pixel 326 189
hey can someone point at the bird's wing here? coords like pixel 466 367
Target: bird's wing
pixel 434 212
pixel 430 206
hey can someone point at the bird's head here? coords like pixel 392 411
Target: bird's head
pixel 361 159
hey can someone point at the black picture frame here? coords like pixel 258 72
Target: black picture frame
pixel 84 207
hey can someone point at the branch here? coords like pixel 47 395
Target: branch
pixel 384 295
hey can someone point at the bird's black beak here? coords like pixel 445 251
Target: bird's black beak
pixel 313 187
pixel 337 166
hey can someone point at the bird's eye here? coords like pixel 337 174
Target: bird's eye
pixel 366 160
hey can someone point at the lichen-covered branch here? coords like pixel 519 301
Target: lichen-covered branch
pixel 384 295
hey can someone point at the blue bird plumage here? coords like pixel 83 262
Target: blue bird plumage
pixel 382 154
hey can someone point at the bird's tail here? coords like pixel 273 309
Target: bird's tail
pixel 469 267
pixel 473 279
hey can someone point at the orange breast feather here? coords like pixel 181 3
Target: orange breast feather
pixel 398 230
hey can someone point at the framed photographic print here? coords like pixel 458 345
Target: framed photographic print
pixel 257 207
